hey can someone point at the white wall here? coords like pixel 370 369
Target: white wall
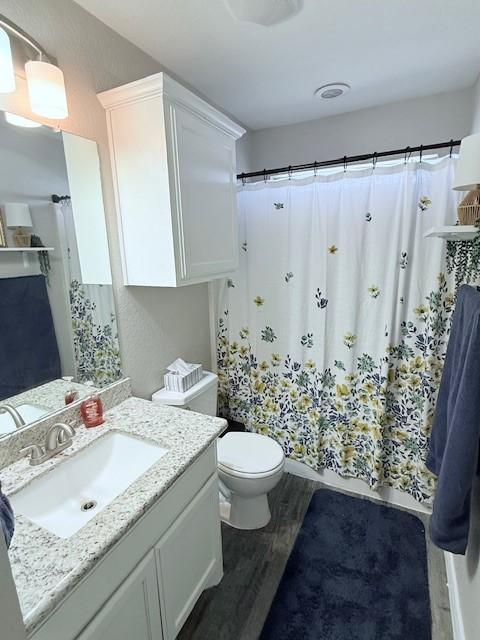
pixel 467 574
pixel 244 152
pixel 392 126
pixel 155 325
pixel 476 107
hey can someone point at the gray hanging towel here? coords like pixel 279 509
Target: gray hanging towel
pixel 454 442
pixel 7 520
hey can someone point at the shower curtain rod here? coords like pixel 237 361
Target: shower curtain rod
pixel 406 151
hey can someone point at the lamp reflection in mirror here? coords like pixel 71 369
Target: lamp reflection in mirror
pixel 467 178
pixel 20 121
pixel 17 216
pixel 7 74
pixel 46 90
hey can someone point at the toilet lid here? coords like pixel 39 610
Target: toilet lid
pixel 248 453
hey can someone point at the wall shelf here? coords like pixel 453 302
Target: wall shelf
pixel 25 249
pixel 453 232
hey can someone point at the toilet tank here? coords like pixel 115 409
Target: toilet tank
pixel 202 397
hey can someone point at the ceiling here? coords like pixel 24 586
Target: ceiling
pixel 387 50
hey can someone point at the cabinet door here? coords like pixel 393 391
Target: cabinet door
pixel 203 198
pixel 189 558
pixel 133 612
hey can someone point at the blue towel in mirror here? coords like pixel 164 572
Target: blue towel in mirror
pixel 7 520
pixel 28 345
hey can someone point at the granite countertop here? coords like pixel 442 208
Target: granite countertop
pixel 46 567
pixel 51 395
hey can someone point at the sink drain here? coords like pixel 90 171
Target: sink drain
pixel 88 505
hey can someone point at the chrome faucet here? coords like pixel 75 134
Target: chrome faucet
pixel 16 417
pixel 59 437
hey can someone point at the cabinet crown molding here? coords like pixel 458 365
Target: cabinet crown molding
pixel 161 85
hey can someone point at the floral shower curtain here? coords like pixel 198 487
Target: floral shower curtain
pixel 332 335
pixel 94 323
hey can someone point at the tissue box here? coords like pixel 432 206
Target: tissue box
pixel 182 376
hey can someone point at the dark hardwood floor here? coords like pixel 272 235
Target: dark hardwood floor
pixel 253 565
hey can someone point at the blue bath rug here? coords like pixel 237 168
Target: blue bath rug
pixel 358 571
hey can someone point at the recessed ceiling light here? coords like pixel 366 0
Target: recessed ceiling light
pixel 332 90
pixel 264 12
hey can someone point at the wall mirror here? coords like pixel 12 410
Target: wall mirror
pixel 58 329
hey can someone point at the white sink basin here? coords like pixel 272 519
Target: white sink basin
pixel 29 413
pixel 67 497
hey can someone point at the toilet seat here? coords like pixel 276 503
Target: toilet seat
pixel 249 455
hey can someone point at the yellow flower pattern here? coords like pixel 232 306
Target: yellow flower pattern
pixel 371 422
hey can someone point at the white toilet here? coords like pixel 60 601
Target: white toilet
pixel 249 465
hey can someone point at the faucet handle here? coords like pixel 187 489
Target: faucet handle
pixel 35 450
pixel 66 433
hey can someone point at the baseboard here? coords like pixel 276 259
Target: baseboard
pixel 454 597
pixel 332 479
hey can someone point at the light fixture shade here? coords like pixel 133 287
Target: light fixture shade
pixel 20 121
pixel 17 214
pixel 467 173
pixel 7 74
pixel 46 89
pixel 264 12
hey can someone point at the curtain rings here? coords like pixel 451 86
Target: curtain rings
pixel 290 172
pixel 451 147
pixel 421 153
pixel 408 153
pixel 243 179
pixel 315 169
pixel 265 175
pixel 344 164
pixel 374 160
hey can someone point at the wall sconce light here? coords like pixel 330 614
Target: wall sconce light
pixel 46 87
pixel 7 74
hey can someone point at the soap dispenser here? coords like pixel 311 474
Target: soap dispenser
pixel 91 410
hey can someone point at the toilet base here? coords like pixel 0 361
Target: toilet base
pixel 246 513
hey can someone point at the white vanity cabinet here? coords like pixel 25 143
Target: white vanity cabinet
pixel 186 556
pixel 145 587
pixel 133 611
pixel 173 163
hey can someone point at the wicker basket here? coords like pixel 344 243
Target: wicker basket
pixel 469 208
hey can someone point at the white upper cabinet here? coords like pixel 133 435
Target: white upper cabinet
pixel 173 162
